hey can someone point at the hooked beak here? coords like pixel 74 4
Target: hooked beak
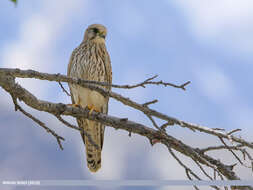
pixel 101 34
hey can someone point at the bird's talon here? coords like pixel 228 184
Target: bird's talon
pixel 92 108
pixel 74 105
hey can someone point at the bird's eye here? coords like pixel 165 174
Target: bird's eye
pixel 95 30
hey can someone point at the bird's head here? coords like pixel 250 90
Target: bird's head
pixel 96 32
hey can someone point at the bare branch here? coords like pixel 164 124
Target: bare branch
pixel 148 103
pixel 187 169
pixel 64 90
pixel 221 147
pixel 231 150
pixel 118 97
pixel 182 86
pixel 163 127
pixel 189 177
pixel 77 128
pixel 243 152
pixel 202 169
pixel 58 138
pixel 61 78
pixel 233 131
pixel 218 129
pixel 7 81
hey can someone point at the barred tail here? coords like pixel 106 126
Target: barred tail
pixel 93 155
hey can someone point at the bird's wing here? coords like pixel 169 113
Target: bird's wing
pixel 108 69
pixel 68 74
pixel 108 72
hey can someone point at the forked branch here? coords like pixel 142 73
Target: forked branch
pixel 199 156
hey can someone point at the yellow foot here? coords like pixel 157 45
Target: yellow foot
pixel 74 105
pixel 92 108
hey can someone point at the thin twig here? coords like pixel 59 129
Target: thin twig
pixel 163 126
pixel 211 148
pixel 154 123
pixel 214 174
pixel 82 131
pixel 58 138
pixel 182 86
pixel 64 90
pixel 202 169
pixel 218 129
pixel 151 102
pixel 231 151
pixel 188 171
pixel 233 131
pixel 189 177
pixel 236 147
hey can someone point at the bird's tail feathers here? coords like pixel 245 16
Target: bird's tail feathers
pixel 93 154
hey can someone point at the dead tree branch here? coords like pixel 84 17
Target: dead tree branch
pixel 7 82
pixel 94 85
pixel 62 78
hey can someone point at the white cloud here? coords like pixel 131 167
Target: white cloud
pixel 36 34
pixel 32 49
pixel 226 22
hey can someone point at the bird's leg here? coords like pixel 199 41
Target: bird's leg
pixel 92 108
pixel 78 105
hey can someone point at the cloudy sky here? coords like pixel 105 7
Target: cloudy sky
pixel 209 43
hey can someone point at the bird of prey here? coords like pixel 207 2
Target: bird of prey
pixel 91 61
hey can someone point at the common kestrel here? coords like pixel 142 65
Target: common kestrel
pixel 91 61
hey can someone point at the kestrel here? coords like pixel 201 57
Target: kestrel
pixel 91 61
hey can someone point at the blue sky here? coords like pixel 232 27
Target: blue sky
pixel 209 43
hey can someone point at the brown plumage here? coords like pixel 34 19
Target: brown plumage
pixel 90 61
